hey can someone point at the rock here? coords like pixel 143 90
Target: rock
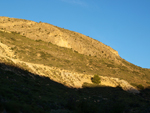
pixel 115 82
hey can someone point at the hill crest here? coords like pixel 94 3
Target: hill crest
pixel 59 36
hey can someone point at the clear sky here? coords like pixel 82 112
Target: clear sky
pixel 123 25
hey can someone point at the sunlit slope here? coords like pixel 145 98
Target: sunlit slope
pixel 42 43
pixel 58 36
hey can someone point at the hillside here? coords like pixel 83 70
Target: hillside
pixel 42 43
pixel 66 60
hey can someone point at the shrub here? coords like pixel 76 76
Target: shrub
pixel 38 40
pixel 148 82
pixel 141 87
pixel 75 51
pixel 96 79
pixel 85 85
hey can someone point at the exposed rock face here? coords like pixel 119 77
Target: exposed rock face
pixel 6 51
pixel 59 36
pixel 115 82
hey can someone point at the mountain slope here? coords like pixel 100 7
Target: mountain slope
pixel 45 44
pixel 44 68
pixel 58 36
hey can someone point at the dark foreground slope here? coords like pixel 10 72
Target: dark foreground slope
pixel 28 93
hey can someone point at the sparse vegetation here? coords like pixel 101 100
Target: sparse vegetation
pixel 139 86
pixel 96 79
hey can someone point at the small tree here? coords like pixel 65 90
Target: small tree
pixel 140 86
pixel 96 79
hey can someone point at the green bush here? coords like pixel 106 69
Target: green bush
pixel 38 40
pixel 148 82
pixel 85 85
pixel 96 79
pixel 141 87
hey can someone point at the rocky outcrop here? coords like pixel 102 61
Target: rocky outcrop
pixel 116 82
pixel 6 51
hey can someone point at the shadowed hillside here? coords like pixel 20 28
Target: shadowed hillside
pixel 26 92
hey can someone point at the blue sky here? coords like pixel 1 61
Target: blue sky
pixel 123 25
